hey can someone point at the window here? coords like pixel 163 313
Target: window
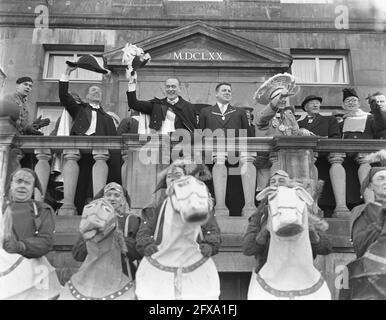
pixel 321 69
pixel 54 66
pixel 51 112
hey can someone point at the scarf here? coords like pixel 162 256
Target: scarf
pixel 355 121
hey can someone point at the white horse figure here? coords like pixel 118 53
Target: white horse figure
pixel 25 279
pixel 178 270
pixel 100 277
pixel 289 272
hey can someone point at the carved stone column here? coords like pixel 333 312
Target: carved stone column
pixel 316 173
pixel 100 170
pixel 338 182
pixel 248 179
pixel 70 179
pixel 125 166
pixel 364 169
pixel 220 176
pixel 42 170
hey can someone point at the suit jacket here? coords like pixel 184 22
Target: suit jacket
pixel 81 114
pixel 186 113
pixel 234 118
pixel 370 131
pixel 324 126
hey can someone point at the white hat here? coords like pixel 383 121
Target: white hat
pixel 263 95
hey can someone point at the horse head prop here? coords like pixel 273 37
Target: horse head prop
pixel 289 272
pixel 100 277
pixel 178 270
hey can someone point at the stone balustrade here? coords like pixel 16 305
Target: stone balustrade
pixel 144 157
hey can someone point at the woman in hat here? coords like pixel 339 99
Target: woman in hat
pixel 128 224
pixel 211 239
pixel 256 239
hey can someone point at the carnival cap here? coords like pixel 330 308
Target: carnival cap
pixel 272 87
pixel 310 98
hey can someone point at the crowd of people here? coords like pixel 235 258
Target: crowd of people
pixel 29 224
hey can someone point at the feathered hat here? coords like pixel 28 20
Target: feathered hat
pixel 274 85
pixel 134 57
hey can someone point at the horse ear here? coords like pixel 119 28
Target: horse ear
pixel 304 195
pixel 265 192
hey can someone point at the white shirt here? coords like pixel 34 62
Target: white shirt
pixel 223 107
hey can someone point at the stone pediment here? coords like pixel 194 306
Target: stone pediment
pixel 201 45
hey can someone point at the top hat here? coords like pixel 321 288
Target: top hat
pixel 88 62
pixel 310 98
pixel 275 84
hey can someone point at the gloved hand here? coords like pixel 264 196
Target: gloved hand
pixel 32 131
pixel 150 249
pixel 13 246
pixel 40 123
pixel 206 249
pixel 263 236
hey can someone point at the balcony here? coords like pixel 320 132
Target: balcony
pixel 144 157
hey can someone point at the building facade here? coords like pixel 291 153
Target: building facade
pixel 326 44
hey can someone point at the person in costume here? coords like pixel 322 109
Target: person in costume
pixel 128 224
pixel 88 119
pixel 146 240
pixel 369 219
pixel 101 276
pixel 256 238
pixel 277 118
pixel 367 273
pixel 30 224
pixel 28 228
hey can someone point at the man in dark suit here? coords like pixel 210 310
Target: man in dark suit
pixel 224 116
pixel 327 127
pixel 167 114
pixel 89 119
pixel 323 126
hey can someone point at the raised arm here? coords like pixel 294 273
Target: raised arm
pixel 141 106
pixel 67 99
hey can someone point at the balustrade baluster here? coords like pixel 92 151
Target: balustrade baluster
pixel 100 169
pixel 248 179
pixel 364 169
pixel 338 182
pixel 42 170
pixel 220 177
pixel 70 179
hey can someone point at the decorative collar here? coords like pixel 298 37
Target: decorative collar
pixel 291 294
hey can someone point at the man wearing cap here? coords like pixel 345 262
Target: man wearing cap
pixel 377 103
pixel 322 126
pixel 256 239
pixel 326 127
pixel 19 116
pixel 89 119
